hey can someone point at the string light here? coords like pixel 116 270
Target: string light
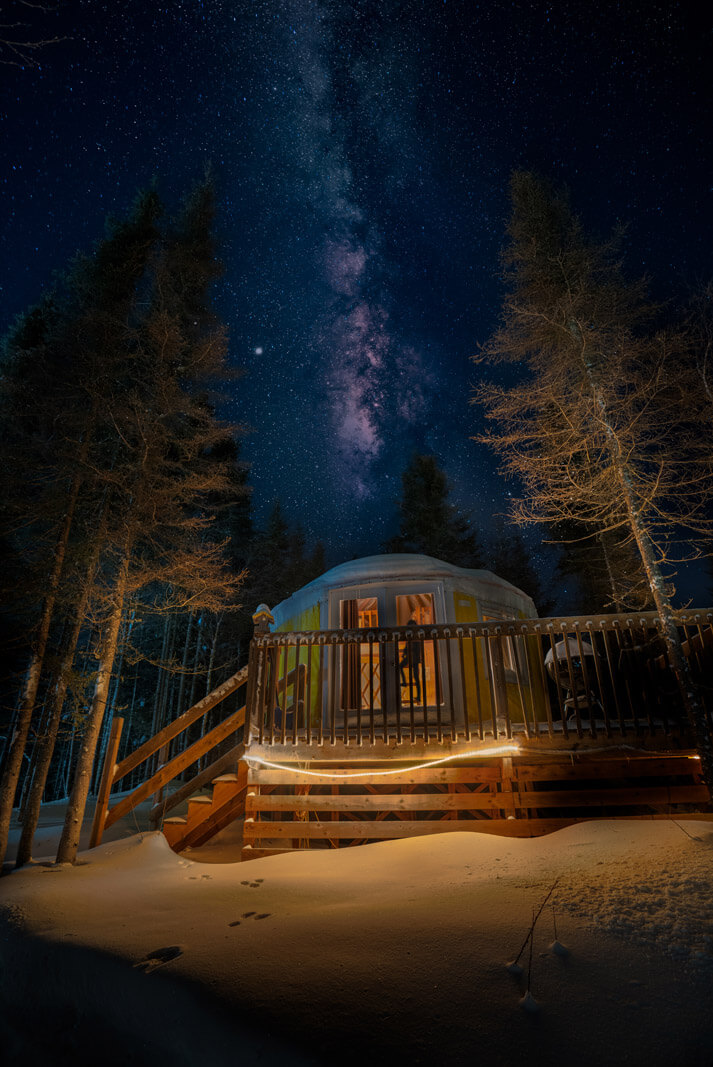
pixel 477 753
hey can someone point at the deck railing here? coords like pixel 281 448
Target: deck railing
pixel 571 678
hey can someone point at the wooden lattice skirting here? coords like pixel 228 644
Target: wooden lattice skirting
pixel 519 796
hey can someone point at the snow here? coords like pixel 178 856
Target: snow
pixel 398 951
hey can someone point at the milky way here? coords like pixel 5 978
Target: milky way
pixel 361 153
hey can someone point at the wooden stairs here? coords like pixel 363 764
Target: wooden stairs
pixel 207 815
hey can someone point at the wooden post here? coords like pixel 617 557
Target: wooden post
pixel 107 781
pixel 261 620
pixel 507 796
pixel 161 761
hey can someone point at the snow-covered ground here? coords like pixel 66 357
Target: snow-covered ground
pixel 396 952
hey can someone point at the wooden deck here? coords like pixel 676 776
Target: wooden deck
pixel 522 727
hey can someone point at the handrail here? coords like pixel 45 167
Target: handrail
pixel 220 766
pixel 173 729
pixel 113 772
pixel 170 770
pixel 492 628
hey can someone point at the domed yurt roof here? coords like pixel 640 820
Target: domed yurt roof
pixel 401 570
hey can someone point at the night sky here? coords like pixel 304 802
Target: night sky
pixel 361 153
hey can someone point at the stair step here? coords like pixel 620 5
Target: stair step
pixel 197 810
pixel 224 788
pixel 174 829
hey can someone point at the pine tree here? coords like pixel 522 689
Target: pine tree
pixel 595 428
pixel 166 474
pixel 59 369
pixel 428 522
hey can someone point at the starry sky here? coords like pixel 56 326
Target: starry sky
pixel 362 152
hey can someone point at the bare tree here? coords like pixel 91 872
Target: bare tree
pixel 20 41
pixel 595 428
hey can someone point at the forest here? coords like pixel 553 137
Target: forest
pixel 133 560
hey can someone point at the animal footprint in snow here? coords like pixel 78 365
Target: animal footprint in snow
pixel 158 957
pixel 235 922
pixel 247 914
pixel 528 1003
pixel 265 915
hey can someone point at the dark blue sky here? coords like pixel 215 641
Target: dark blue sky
pixel 362 153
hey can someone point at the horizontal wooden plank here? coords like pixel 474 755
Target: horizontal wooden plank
pixel 584 798
pixel 411 802
pixel 498 827
pixel 384 831
pixel 481 774
pixel 605 768
pixel 250 852
pixel 341 830
pixel 492 628
pixel 543 746
pixel 406 802
pixel 434 775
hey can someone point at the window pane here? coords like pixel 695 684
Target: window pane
pixel 418 665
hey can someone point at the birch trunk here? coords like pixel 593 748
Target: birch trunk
pixel 184 664
pixel 69 842
pixel 124 632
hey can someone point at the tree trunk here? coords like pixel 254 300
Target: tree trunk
pixel 691 700
pixel 613 584
pixel 124 634
pixel 196 660
pixel 213 649
pixel 47 746
pixel 184 664
pixel 32 681
pixel 69 842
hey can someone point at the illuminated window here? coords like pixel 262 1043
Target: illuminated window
pixel 361 668
pixel 417 667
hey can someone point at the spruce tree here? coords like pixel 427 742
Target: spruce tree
pixel 58 381
pixel 165 474
pixel 428 521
